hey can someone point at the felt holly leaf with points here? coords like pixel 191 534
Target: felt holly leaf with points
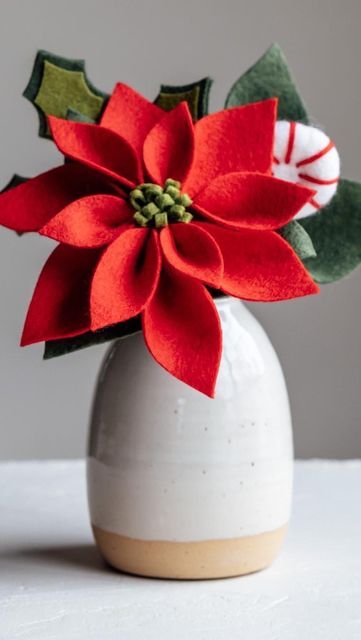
pixel 59 86
pixel 195 94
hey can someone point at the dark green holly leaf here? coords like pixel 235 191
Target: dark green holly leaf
pixel 270 77
pixel 54 348
pixel 58 84
pixel 336 234
pixel 299 240
pixel 75 116
pixel 196 94
pixel 15 181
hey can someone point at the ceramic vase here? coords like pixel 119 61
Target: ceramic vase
pixel 183 486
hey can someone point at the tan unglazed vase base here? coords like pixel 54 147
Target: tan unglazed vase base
pixel 190 560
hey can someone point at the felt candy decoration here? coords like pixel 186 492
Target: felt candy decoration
pixel 157 202
pixel 305 155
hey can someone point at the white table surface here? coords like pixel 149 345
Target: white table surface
pixel 53 584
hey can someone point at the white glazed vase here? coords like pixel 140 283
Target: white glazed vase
pixel 183 486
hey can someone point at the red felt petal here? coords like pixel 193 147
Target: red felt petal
pixel 193 251
pixel 30 205
pixel 125 278
pixel 252 200
pixel 98 148
pixel 169 146
pixel 89 222
pixel 238 139
pixel 182 331
pixel 130 115
pixel 60 304
pixel 260 265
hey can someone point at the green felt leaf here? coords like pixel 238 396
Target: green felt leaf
pixel 299 240
pixel 196 94
pixel 54 348
pixel 58 84
pixel 14 182
pixel 74 115
pixel 270 77
pixel 336 234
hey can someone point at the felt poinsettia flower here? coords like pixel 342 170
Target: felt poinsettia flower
pixel 150 210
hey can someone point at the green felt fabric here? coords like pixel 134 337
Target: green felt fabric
pixel 74 115
pixel 57 84
pixel 299 240
pixel 55 348
pixel 14 182
pixel 196 94
pixel 336 234
pixel 270 77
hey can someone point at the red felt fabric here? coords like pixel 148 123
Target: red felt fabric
pixel 252 200
pixel 98 148
pixel 130 115
pixel 125 278
pixel 238 139
pixel 86 287
pixel 169 146
pixel 30 205
pixel 60 304
pixel 260 265
pixel 192 251
pixel 182 331
pixel 89 222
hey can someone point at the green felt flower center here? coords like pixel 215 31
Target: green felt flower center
pixel 157 206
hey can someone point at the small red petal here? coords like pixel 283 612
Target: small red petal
pixel 60 304
pixel 182 331
pixel 125 278
pixel 260 265
pixel 169 146
pixel 31 205
pixel 130 115
pixel 98 148
pixel 89 222
pixel 193 251
pixel 252 200
pixel 238 139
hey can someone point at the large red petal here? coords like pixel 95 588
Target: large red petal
pixel 182 331
pixel 130 115
pixel 98 148
pixel 89 222
pixel 125 278
pixel 60 304
pixel 193 251
pixel 169 146
pixel 260 265
pixel 238 139
pixel 30 205
pixel 252 200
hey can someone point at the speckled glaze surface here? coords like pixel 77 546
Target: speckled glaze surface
pixel 169 465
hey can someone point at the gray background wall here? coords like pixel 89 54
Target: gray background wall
pixel 44 406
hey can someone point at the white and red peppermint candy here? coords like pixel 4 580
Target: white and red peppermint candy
pixel 305 155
